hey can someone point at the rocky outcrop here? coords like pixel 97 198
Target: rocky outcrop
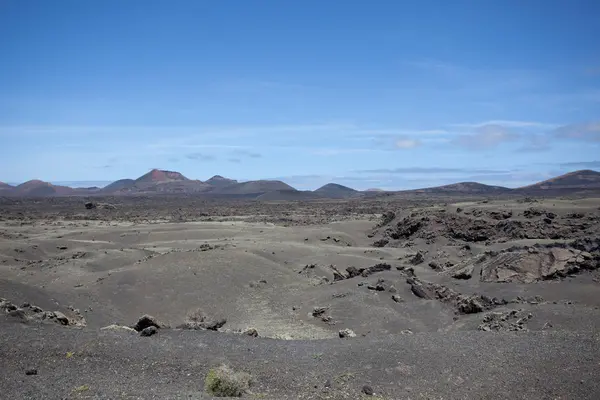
pixel 31 313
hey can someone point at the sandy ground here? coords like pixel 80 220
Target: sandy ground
pixel 509 304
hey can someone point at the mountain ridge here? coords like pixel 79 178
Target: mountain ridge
pixel 170 182
pixel 573 179
pixel 336 191
pixel 158 175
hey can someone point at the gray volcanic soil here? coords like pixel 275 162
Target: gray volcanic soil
pixel 485 299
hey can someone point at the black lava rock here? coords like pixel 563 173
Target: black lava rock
pixel 149 331
pixel 368 390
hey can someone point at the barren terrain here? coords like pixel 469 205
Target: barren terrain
pixel 435 298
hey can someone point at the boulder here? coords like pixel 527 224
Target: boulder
pixel 213 325
pixel 464 273
pixel 18 313
pixel 397 298
pixel 250 332
pixel 149 331
pixel 346 333
pixel 319 311
pixel 61 318
pixel 146 321
pixel 368 390
pixel 417 259
pixel 418 289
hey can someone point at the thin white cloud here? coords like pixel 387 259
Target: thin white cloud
pixel 581 164
pixel 587 131
pixel 485 137
pixel 508 124
pixel 175 130
pixel 397 132
pixel 407 143
pixel 163 145
pixel 335 152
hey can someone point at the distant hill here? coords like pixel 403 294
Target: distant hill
pixel 120 185
pixel 37 188
pixel 374 190
pixel 465 188
pixel 157 181
pixel 5 189
pixel 219 181
pixel 577 180
pixel 335 191
pixel 161 176
pixel 170 182
pixel 288 195
pixel 252 187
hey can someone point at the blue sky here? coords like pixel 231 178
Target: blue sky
pixel 389 94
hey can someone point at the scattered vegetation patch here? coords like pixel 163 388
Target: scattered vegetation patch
pixel 223 381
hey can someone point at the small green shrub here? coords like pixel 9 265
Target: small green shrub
pixel 224 382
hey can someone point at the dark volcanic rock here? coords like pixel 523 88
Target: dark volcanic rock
pixel 146 321
pixel 346 333
pixel 214 324
pixel 55 316
pixel 406 228
pixel 417 259
pixel 387 217
pixel 31 371
pixel 149 331
pixel 250 332
pixel 536 263
pixel 368 390
pixel 379 268
pixel 397 298
pixel 61 318
pixel 18 313
pixel 337 276
pixel 319 311
pixel 380 243
pixel 378 287
pixel 365 272
pixel 204 324
pixel 532 212
pixel 505 321
pixel 353 272
pixel 464 273
pixel 470 305
pixel 418 289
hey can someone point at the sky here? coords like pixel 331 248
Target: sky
pixel 369 94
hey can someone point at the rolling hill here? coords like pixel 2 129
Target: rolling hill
pixel 254 187
pixel 120 185
pixel 170 182
pixel 335 191
pixel 5 189
pixel 578 180
pixel 288 195
pixel 218 181
pixel 37 188
pixel 161 176
pixel 465 188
